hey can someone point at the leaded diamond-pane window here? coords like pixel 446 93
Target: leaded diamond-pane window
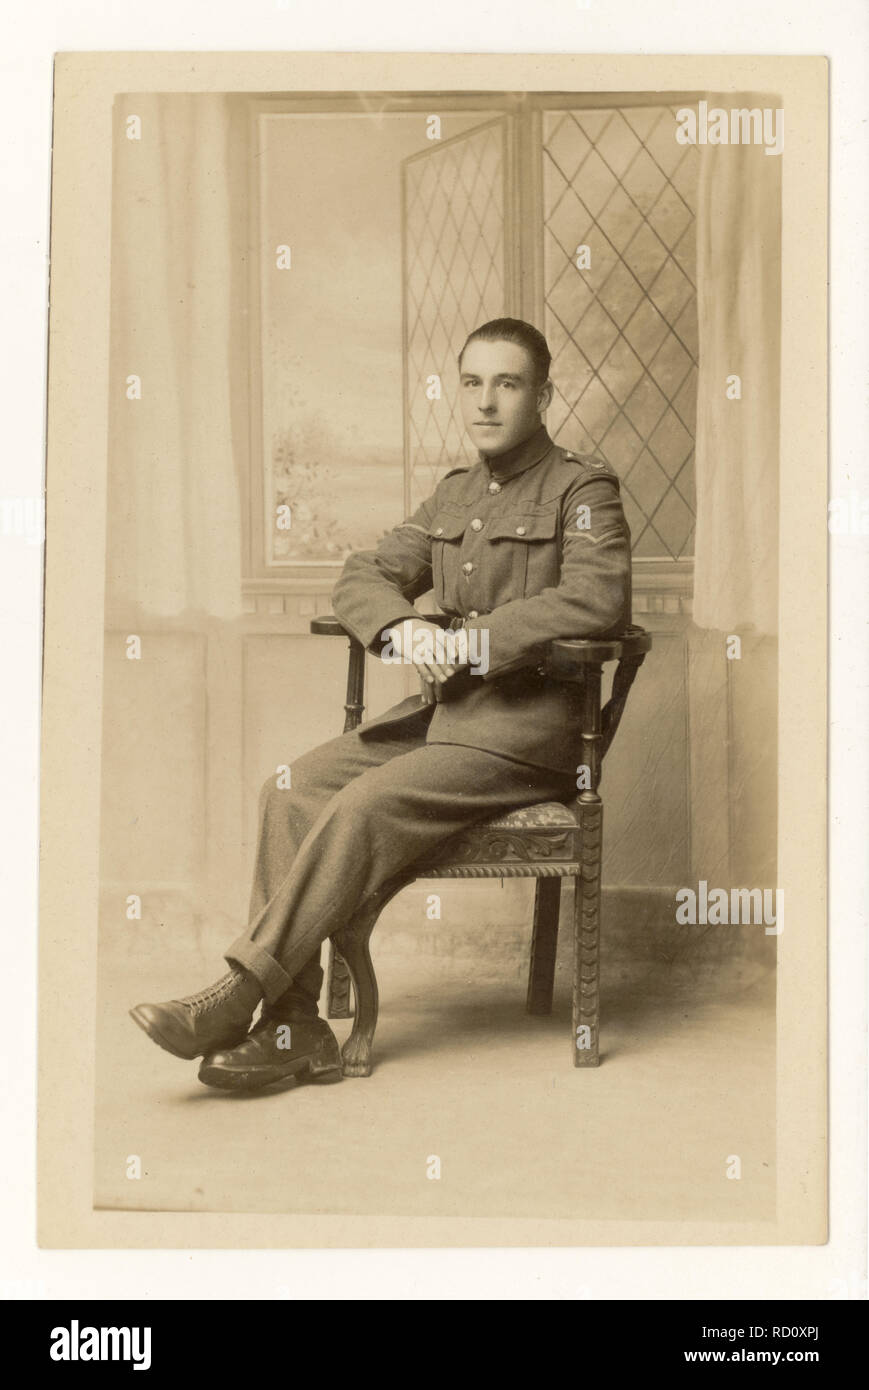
pixel 455 275
pixel 623 330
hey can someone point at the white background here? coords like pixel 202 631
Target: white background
pixel 33 33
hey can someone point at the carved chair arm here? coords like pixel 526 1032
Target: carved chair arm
pixel 568 659
pixel 578 660
pixel 565 658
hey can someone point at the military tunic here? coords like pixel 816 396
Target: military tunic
pixel 528 547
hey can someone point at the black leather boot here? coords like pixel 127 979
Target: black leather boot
pixel 282 1044
pixel 199 1023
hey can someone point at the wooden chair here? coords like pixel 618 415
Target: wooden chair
pixel 548 841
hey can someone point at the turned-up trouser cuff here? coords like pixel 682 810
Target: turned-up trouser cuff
pixel 358 811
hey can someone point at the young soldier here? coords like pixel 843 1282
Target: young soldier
pixel 527 545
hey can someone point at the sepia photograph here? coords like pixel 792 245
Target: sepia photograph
pixel 440 775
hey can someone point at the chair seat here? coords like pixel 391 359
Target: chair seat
pixel 531 841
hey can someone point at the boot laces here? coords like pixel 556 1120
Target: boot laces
pixel 212 995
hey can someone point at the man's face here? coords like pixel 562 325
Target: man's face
pixel 501 398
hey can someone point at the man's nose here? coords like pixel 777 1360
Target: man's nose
pixel 487 399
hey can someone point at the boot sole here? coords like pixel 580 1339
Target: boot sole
pixel 156 1036
pixel 253 1079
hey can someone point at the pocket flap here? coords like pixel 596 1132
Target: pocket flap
pixel 446 526
pixel 521 527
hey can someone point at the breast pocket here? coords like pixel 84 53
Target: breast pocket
pixel 528 551
pixel 447 530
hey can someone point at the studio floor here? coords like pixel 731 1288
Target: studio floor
pixel 461 1072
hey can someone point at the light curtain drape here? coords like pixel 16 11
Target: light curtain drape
pixel 739 320
pixel 174 542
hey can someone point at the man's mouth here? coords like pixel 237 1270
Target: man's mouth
pixel 487 424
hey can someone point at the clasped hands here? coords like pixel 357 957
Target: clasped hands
pixel 418 642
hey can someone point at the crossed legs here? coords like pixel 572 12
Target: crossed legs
pixel 358 811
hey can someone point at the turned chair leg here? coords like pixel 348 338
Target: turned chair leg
pixel 586 931
pixel 544 943
pixel 353 943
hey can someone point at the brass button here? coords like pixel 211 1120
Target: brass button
pixel 476 524
pixel 439 531
pixel 473 613
pixel 520 530
pixel 467 567
pixel 494 487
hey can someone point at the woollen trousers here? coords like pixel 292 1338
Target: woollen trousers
pixel 359 810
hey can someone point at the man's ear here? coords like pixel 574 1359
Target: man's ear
pixel 544 399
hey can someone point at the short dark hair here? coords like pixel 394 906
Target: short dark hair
pixel 515 331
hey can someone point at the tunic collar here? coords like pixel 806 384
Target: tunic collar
pixel 522 457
